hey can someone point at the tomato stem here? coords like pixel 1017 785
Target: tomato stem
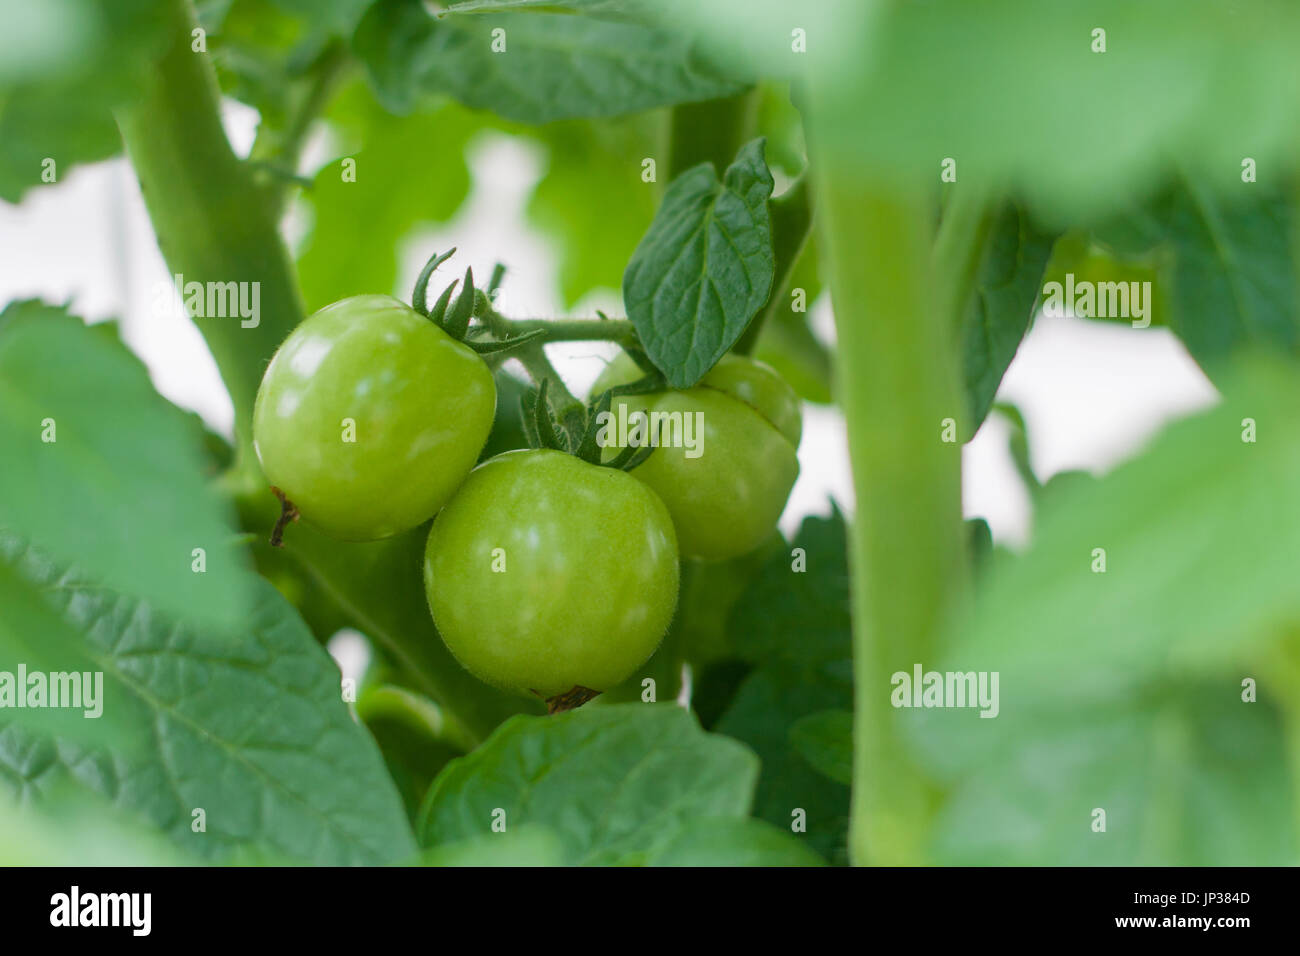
pixel 210 214
pixel 897 381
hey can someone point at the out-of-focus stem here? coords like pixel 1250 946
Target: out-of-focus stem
pixel 897 381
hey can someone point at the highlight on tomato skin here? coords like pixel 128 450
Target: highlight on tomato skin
pixel 370 416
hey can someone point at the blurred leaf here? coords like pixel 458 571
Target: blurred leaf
pixel 615 783
pixel 121 490
pixel 825 740
pixel 795 627
pixel 80 60
pixel 338 15
pixel 1188 775
pixel 1002 86
pixel 79 830
pixel 258 50
pixel 1001 306
pixel 594 170
pixel 527 845
pixel 704 267
pixel 554 66
pixel 247 724
pixel 1077 254
pixel 979 537
pixel 734 841
pixel 1015 92
pixel 409 171
pixel 1200 555
pixel 1229 280
pixel 492 6
pixel 781 124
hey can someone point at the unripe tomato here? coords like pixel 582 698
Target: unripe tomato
pixel 370 416
pixel 726 501
pixel 545 573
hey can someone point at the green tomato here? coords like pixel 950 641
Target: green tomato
pixel 545 573
pixel 370 416
pixel 726 494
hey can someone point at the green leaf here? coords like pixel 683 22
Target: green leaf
pixel 1121 690
pixel 1200 555
pixel 732 841
pixel 527 845
pixel 1001 87
pixel 999 311
pixel 79 830
pixel 1229 281
pixel 247 724
pixel 121 489
pixel 64 67
pixel 1161 765
pixel 825 740
pixel 36 639
pixel 554 65
pixel 795 627
pixel 705 266
pixel 409 171
pixel 614 782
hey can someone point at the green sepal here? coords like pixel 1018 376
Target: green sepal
pixel 488 346
pixel 438 315
pixel 589 449
pixel 456 323
pixel 546 432
pixel 528 417
pixel 419 296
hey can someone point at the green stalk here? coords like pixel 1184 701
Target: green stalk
pixel 577 330
pixel 711 131
pixel 959 247
pixel 897 381
pixel 213 222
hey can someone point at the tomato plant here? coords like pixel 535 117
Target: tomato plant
pixel 805 239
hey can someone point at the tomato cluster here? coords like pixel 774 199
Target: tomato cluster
pixel 545 574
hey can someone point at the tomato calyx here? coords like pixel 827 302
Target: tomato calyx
pixel 571 699
pixel 578 433
pixel 454 317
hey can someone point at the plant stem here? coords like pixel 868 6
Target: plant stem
pixel 577 330
pixel 212 220
pixel 283 147
pixel 959 247
pixel 711 131
pixel 538 366
pixel 791 225
pixel 897 381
